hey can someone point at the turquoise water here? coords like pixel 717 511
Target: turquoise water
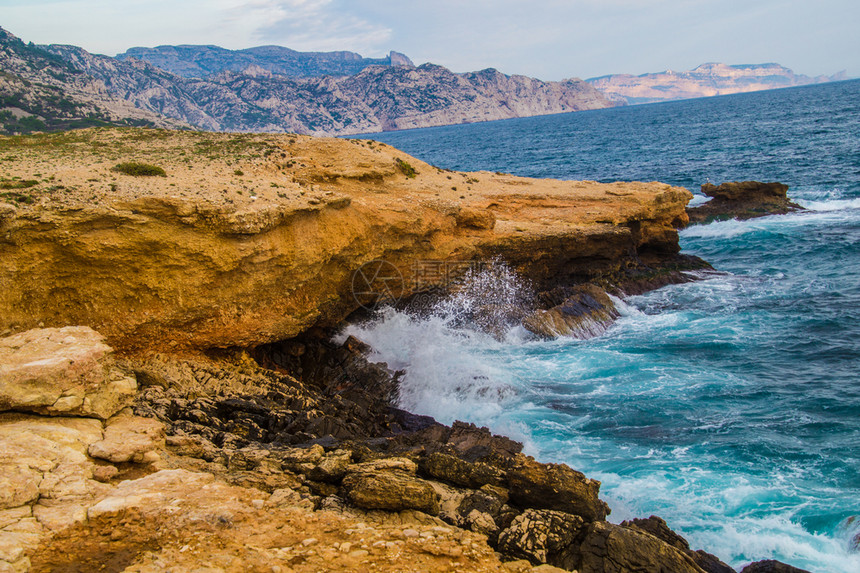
pixel 729 406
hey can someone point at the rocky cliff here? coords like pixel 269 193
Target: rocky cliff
pixel 706 80
pixel 254 239
pixel 202 61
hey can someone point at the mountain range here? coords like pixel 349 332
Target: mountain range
pixel 275 89
pixel 703 81
pixel 215 92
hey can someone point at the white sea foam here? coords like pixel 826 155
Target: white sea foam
pixel 830 205
pixel 529 389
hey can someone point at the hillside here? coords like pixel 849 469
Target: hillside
pixel 706 80
pixel 203 61
pixel 41 91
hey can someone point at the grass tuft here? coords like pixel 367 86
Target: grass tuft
pixel 138 169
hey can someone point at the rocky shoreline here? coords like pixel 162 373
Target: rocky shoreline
pixel 226 431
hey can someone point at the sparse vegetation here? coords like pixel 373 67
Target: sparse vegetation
pixel 405 168
pixel 138 169
pixel 12 184
pixel 238 172
pixel 10 197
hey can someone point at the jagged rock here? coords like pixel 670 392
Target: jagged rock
pixel 483 523
pixel 608 548
pixel 487 501
pixel 61 372
pixel 742 200
pixel 332 467
pixel 587 311
pixel 658 527
pixel 771 566
pixel 555 486
pixel 391 490
pixel 128 438
pixel 541 536
pixel 472 441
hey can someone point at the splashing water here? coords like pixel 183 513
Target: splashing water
pixel 728 406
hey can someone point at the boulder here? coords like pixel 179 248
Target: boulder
pixel 742 200
pixel 67 371
pixel 541 536
pixel 391 490
pixel 332 467
pixel 474 442
pixel 460 472
pixel 555 486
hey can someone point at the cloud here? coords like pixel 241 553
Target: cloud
pixel 550 39
pixel 318 25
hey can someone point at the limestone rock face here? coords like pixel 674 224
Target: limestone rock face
pixel 742 200
pixel 205 258
pixel 555 486
pixel 62 371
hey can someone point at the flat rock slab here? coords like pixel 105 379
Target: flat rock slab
pixel 65 371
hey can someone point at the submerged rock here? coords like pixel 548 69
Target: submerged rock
pixel 742 200
pixel 585 311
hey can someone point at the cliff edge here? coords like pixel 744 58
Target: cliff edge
pixel 252 239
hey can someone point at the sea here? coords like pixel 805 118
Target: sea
pixel 729 406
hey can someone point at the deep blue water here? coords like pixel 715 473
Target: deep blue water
pixel 729 406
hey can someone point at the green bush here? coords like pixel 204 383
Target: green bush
pixel 138 169
pixel 405 168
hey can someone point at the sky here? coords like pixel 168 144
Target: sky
pixel 547 39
